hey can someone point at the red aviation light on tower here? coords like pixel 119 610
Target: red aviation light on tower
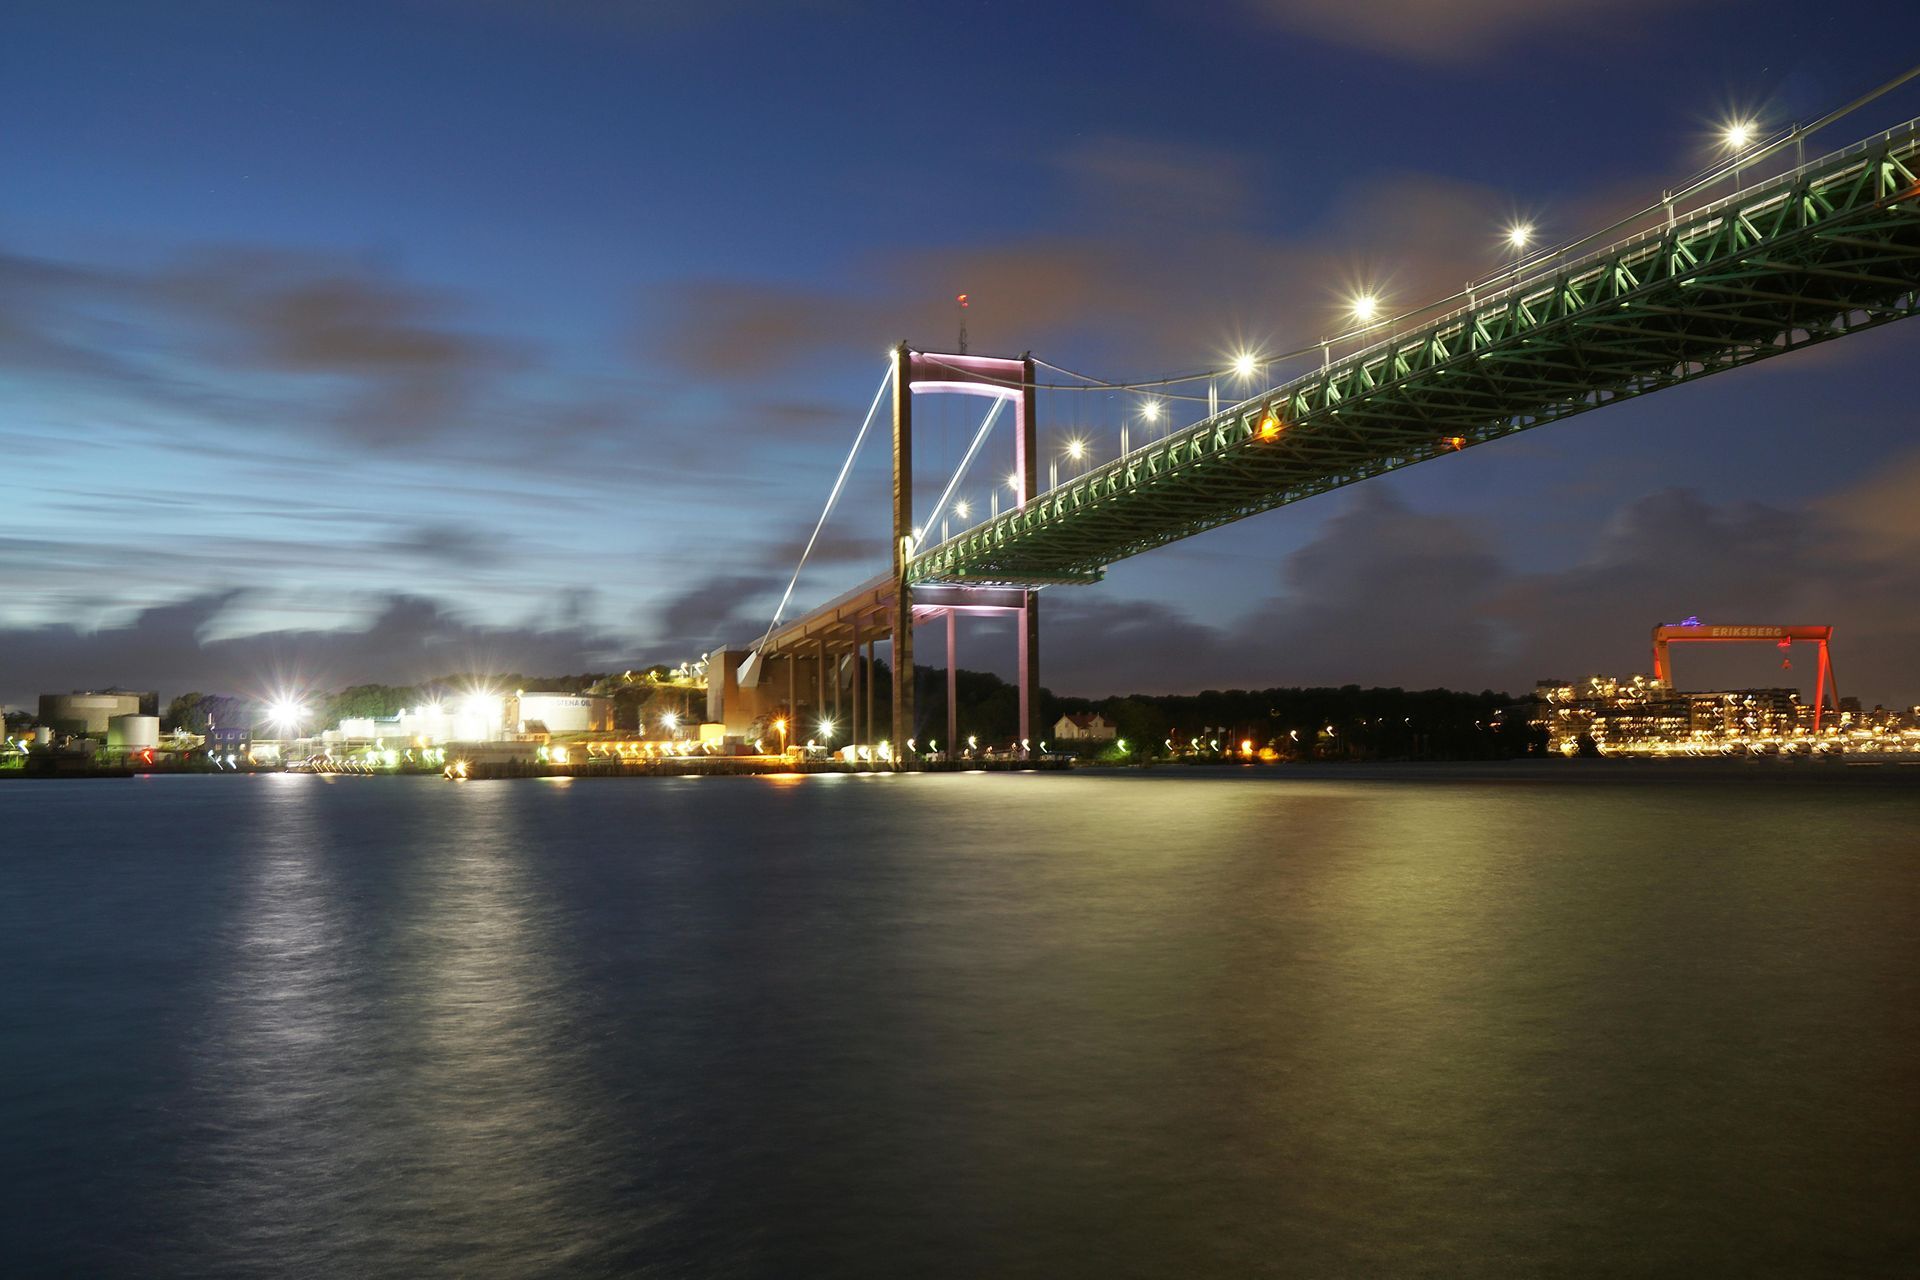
pixel 962 300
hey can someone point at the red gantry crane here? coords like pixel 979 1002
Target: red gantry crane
pixel 1692 631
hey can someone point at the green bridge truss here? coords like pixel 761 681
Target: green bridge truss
pixel 1829 249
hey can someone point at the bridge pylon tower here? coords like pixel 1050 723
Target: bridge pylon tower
pixel 994 377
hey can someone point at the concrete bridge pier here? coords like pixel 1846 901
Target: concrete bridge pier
pixel 903 544
pixel 953 696
pixel 1029 729
pixel 853 695
pixel 871 645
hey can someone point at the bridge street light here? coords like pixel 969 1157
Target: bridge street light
pixel 1150 412
pixel 1519 236
pixel 1737 137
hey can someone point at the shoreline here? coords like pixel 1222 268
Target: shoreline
pixel 1893 770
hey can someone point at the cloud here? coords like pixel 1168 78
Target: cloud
pixel 833 549
pixel 258 338
pixel 1386 594
pixel 713 328
pixel 1454 30
pixel 408 639
pixel 1883 507
pixel 449 544
pixel 1149 274
pixel 723 609
pixel 1149 176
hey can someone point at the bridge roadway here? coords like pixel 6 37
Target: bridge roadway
pixel 1826 249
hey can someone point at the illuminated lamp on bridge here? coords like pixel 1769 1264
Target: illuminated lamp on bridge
pixel 1270 426
pixel 1454 442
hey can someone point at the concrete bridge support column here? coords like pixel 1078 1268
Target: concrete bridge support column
pixel 953 701
pixel 820 675
pixel 902 546
pixel 853 694
pixel 1027 466
pixel 1030 727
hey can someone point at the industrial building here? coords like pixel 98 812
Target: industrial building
pixel 558 713
pixel 480 717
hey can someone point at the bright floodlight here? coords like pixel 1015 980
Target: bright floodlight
pixel 1013 481
pixel 1076 449
pixel 1365 308
pixel 1738 135
pixel 670 722
pixel 1150 411
pixel 1243 365
pixel 285 712
pixel 962 509
pixel 826 729
pixel 1520 235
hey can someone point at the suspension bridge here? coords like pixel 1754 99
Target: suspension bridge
pixel 1743 264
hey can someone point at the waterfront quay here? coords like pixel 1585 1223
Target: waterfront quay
pixel 738 766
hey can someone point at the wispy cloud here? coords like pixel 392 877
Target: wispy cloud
pixel 1461 30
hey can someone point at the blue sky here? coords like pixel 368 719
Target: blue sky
pixel 343 341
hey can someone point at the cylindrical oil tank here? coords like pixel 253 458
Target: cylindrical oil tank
pixel 133 732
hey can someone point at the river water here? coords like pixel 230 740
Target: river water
pixel 1512 1021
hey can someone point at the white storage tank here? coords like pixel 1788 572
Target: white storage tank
pixel 133 732
pixel 559 712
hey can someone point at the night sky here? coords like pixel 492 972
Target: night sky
pixel 377 342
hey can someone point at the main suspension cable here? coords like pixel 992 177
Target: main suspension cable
pixel 832 498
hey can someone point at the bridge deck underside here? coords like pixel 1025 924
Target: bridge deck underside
pixel 1829 250
pixel 866 614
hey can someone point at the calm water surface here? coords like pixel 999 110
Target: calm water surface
pixel 1288 1024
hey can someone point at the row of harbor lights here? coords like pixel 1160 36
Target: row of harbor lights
pixel 1364 309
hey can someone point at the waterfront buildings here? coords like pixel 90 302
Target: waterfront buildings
pixel 1642 715
pixel 1084 726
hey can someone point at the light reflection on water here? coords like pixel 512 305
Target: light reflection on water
pixel 1297 1024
